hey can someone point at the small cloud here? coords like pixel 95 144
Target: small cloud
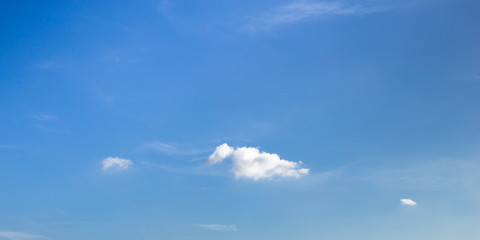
pixel 50 65
pixel 218 227
pixel 110 164
pixel 300 10
pixel 45 117
pixel 251 163
pixel 19 236
pixel 408 202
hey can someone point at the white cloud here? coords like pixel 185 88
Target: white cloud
pixel 218 227
pixel 221 152
pixel 115 164
pixel 304 9
pixel 19 236
pixel 251 163
pixel 408 201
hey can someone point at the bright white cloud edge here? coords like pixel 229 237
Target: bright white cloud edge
pixel 115 164
pixel 218 227
pixel 221 152
pixel 251 163
pixel 408 202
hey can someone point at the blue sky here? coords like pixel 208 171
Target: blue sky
pixel 295 119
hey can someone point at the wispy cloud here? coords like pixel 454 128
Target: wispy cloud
pixel 476 76
pixel 161 147
pixel 218 227
pixel 251 163
pixel 302 10
pixel 49 65
pixel 104 96
pixel 194 170
pixel 425 175
pixel 6 146
pixel 115 164
pixel 170 149
pixel 19 236
pixel 408 202
pixel 45 117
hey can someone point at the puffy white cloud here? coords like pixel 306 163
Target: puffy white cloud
pixel 218 227
pixel 115 164
pixel 221 152
pixel 251 163
pixel 408 201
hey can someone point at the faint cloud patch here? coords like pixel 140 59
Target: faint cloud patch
pixel 115 164
pixel 476 76
pixel 48 122
pixel 166 7
pixel 218 227
pixel 304 10
pixel 121 56
pixel 105 96
pixel 52 130
pixel 48 65
pixel 192 170
pixel 318 178
pixel 161 147
pixel 169 149
pixel 173 15
pixel 9 235
pixel 7 146
pixel 425 175
pixel 45 117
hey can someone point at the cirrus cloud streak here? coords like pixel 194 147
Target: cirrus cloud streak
pixel 300 10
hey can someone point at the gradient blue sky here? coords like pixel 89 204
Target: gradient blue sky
pixel 379 99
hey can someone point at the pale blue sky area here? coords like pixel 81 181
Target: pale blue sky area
pixel 342 120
